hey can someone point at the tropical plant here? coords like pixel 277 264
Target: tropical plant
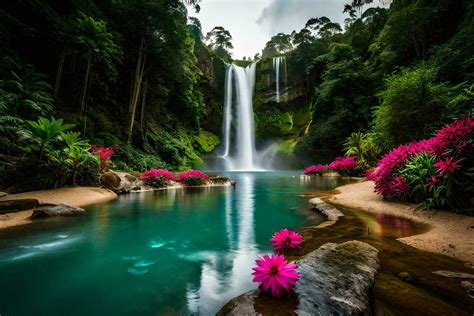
pixel 44 130
pixel 77 150
pixel 363 147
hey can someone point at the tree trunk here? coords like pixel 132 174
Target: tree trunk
pixel 142 112
pixel 137 82
pixel 59 72
pixel 86 83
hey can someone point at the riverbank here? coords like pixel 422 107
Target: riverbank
pixel 75 196
pixel 449 234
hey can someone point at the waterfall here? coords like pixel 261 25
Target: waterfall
pixel 242 155
pixel 277 63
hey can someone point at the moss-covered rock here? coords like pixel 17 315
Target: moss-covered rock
pixel 271 123
pixel 206 141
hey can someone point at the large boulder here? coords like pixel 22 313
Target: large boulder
pixel 110 180
pixel 128 183
pixel 335 279
pixel 12 206
pixel 57 210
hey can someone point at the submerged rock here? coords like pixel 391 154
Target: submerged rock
pixel 331 212
pixel 335 279
pixel 58 210
pixel 452 274
pixel 12 206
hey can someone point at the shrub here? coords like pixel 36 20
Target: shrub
pixel 158 178
pixel 193 178
pixel 219 179
pixel 345 166
pixel 436 172
pixel 315 170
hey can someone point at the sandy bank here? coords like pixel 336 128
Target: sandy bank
pixel 449 234
pixel 76 196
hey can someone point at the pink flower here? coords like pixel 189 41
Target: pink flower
pixel 433 180
pixel 275 275
pixel 456 136
pixel 315 169
pixel 286 239
pixel 343 164
pixel 104 155
pixel 448 165
pixel 148 176
pixel 193 173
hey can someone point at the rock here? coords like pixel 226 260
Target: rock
pixel 12 206
pixel 405 276
pixel 58 210
pixel 128 183
pixel 110 180
pixel 468 286
pixel 3 194
pixel 331 212
pixel 335 279
pixel 451 274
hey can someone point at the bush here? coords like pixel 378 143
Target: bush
pixel 316 170
pixel 219 179
pixel 88 172
pixel 158 178
pixel 436 172
pixel 193 178
pixel 345 166
pixel 411 101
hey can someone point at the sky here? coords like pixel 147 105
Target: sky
pixel 253 22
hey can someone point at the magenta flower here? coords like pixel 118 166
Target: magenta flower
pixel 149 176
pixel 448 165
pixel 433 180
pixel 343 164
pixel 104 155
pixel 275 275
pixel 193 173
pixel 286 239
pixel 315 169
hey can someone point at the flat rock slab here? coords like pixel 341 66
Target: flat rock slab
pixel 331 212
pixel 451 274
pixel 58 210
pixel 12 206
pixel 335 279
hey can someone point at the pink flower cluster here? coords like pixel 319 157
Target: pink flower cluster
pixel 275 275
pixel 453 139
pixel 315 169
pixel 193 173
pixel 104 154
pixel 343 164
pixel 456 136
pixel 149 175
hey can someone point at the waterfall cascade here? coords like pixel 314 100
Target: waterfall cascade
pixel 278 62
pixel 241 156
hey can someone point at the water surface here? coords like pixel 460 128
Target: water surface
pixel 183 251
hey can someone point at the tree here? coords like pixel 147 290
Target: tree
pixel 278 44
pixel 323 27
pixel 355 8
pixel 220 41
pixel 98 44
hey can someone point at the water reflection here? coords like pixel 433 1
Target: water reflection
pixel 224 276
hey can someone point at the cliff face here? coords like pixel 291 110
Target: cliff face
pixel 284 121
